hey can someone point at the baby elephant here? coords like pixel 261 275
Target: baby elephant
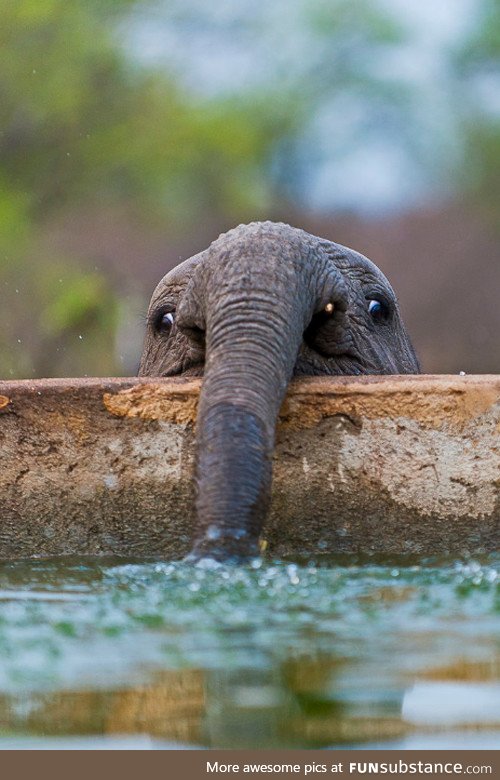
pixel 263 303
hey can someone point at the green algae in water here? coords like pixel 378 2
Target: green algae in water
pixel 313 654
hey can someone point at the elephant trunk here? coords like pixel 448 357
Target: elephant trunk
pixel 242 391
pixel 257 306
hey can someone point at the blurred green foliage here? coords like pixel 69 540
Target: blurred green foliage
pixel 85 127
pixel 62 85
pixel 82 125
pixel 479 67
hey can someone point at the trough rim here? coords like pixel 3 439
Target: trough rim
pixel 313 384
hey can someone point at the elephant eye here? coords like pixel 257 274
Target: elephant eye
pixel 378 310
pixel 164 322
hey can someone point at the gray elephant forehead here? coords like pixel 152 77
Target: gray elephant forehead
pixel 175 279
pixel 184 270
pixel 180 275
pixel 352 263
pixel 355 264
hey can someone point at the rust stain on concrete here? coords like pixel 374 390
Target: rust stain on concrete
pixel 378 464
pixel 156 402
pixel 435 402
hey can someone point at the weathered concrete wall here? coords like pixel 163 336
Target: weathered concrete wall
pixel 104 466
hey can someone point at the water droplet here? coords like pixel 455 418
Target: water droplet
pixel 213 532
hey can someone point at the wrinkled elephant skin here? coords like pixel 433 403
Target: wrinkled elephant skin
pixel 263 303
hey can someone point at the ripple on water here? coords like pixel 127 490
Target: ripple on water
pixel 353 636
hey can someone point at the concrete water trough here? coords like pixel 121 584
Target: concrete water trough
pixel 369 464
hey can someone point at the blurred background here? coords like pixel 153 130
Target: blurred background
pixel 133 133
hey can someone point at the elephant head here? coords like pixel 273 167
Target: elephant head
pixel 263 303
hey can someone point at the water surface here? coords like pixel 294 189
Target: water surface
pixel 328 653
